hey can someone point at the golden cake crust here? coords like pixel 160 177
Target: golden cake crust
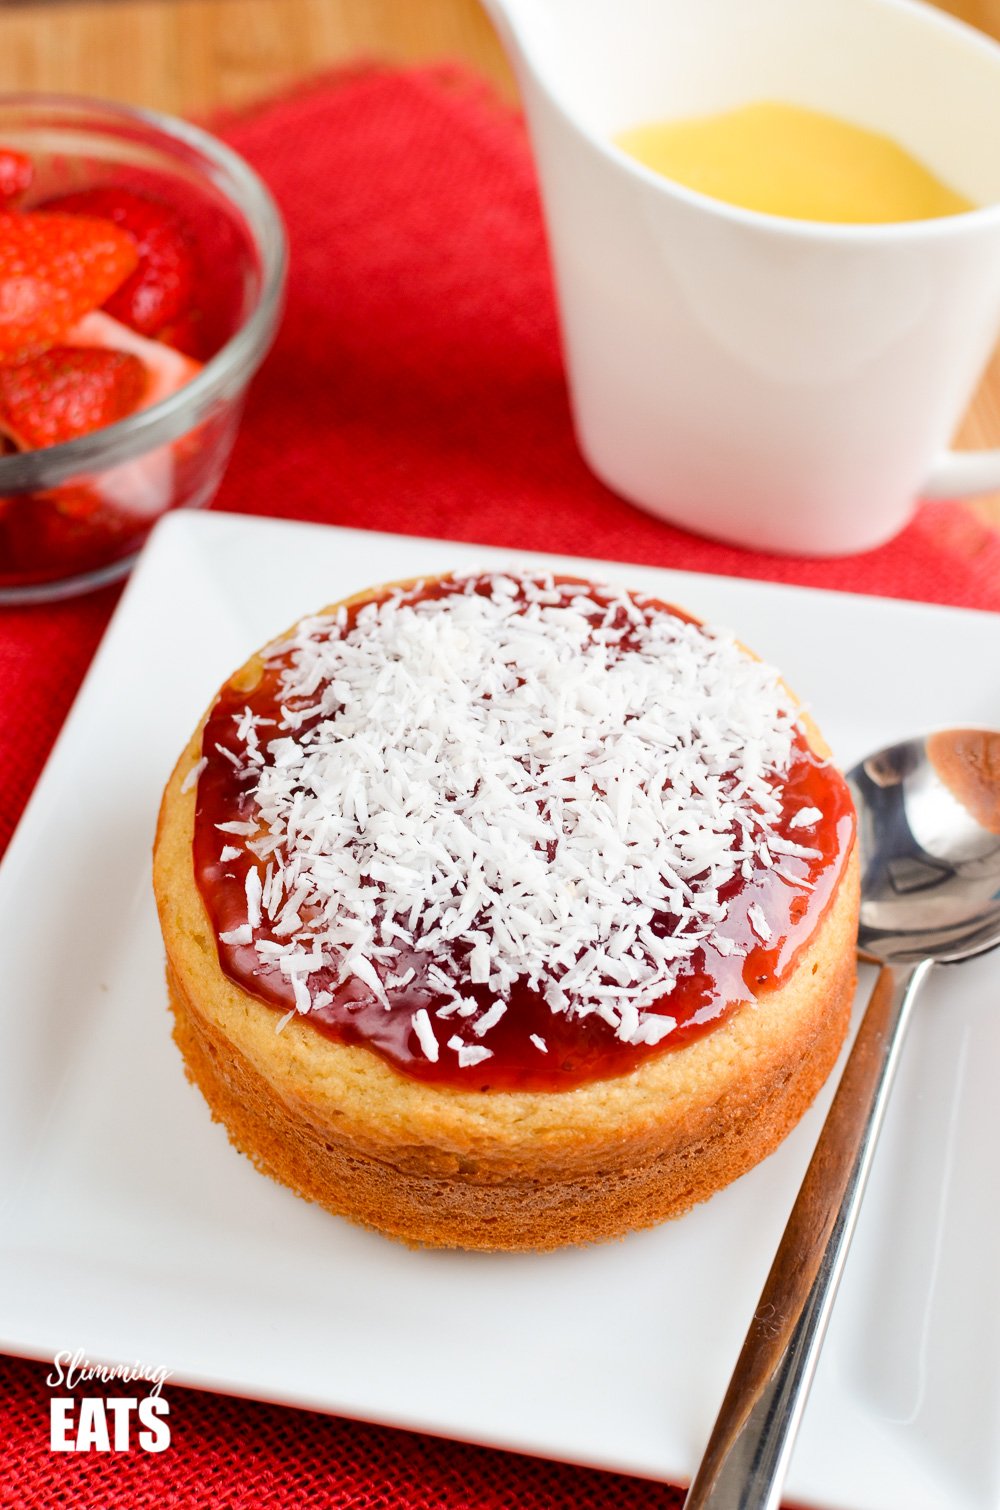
pixel 439 1165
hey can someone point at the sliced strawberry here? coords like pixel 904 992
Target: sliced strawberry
pixel 16 173
pixel 53 270
pixel 67 392
pixel 145 486
pixel 166 368
pixel 162 286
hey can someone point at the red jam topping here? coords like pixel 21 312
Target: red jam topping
pixel 607 939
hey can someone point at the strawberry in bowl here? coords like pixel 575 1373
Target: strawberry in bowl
pixel 162 288
pixel 141 271
pixel 67 365
pixel 16 173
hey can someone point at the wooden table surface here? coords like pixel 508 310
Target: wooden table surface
pixel 189 57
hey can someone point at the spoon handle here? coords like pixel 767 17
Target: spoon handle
pixel 748 1452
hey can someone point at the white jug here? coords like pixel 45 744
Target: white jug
pixel 785 385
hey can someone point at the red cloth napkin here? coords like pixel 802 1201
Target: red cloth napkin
pixel 416 386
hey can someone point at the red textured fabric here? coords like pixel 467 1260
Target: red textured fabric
pixel 234 1453
pixel 416 386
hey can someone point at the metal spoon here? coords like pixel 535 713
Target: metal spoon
pixel 929 834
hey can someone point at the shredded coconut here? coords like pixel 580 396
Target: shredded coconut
pixel 191 779
pixel 521 781
pixel 469 1053
pixel 241 935
pixel 758 922
pixel 425 1034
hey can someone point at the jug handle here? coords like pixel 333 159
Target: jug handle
pixel 962 474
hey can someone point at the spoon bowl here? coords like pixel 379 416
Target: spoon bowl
pixel 929 837
pixel 929 834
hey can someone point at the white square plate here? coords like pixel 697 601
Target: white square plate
pixel 130 1228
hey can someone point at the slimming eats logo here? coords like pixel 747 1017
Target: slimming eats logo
pixel 93 1423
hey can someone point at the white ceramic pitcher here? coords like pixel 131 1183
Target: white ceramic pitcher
pixel 782 384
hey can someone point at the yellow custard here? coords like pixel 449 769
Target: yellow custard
pixel 787 160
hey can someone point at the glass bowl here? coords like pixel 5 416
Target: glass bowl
pixel 73 516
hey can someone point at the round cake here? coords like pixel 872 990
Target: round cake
pixel 507 911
